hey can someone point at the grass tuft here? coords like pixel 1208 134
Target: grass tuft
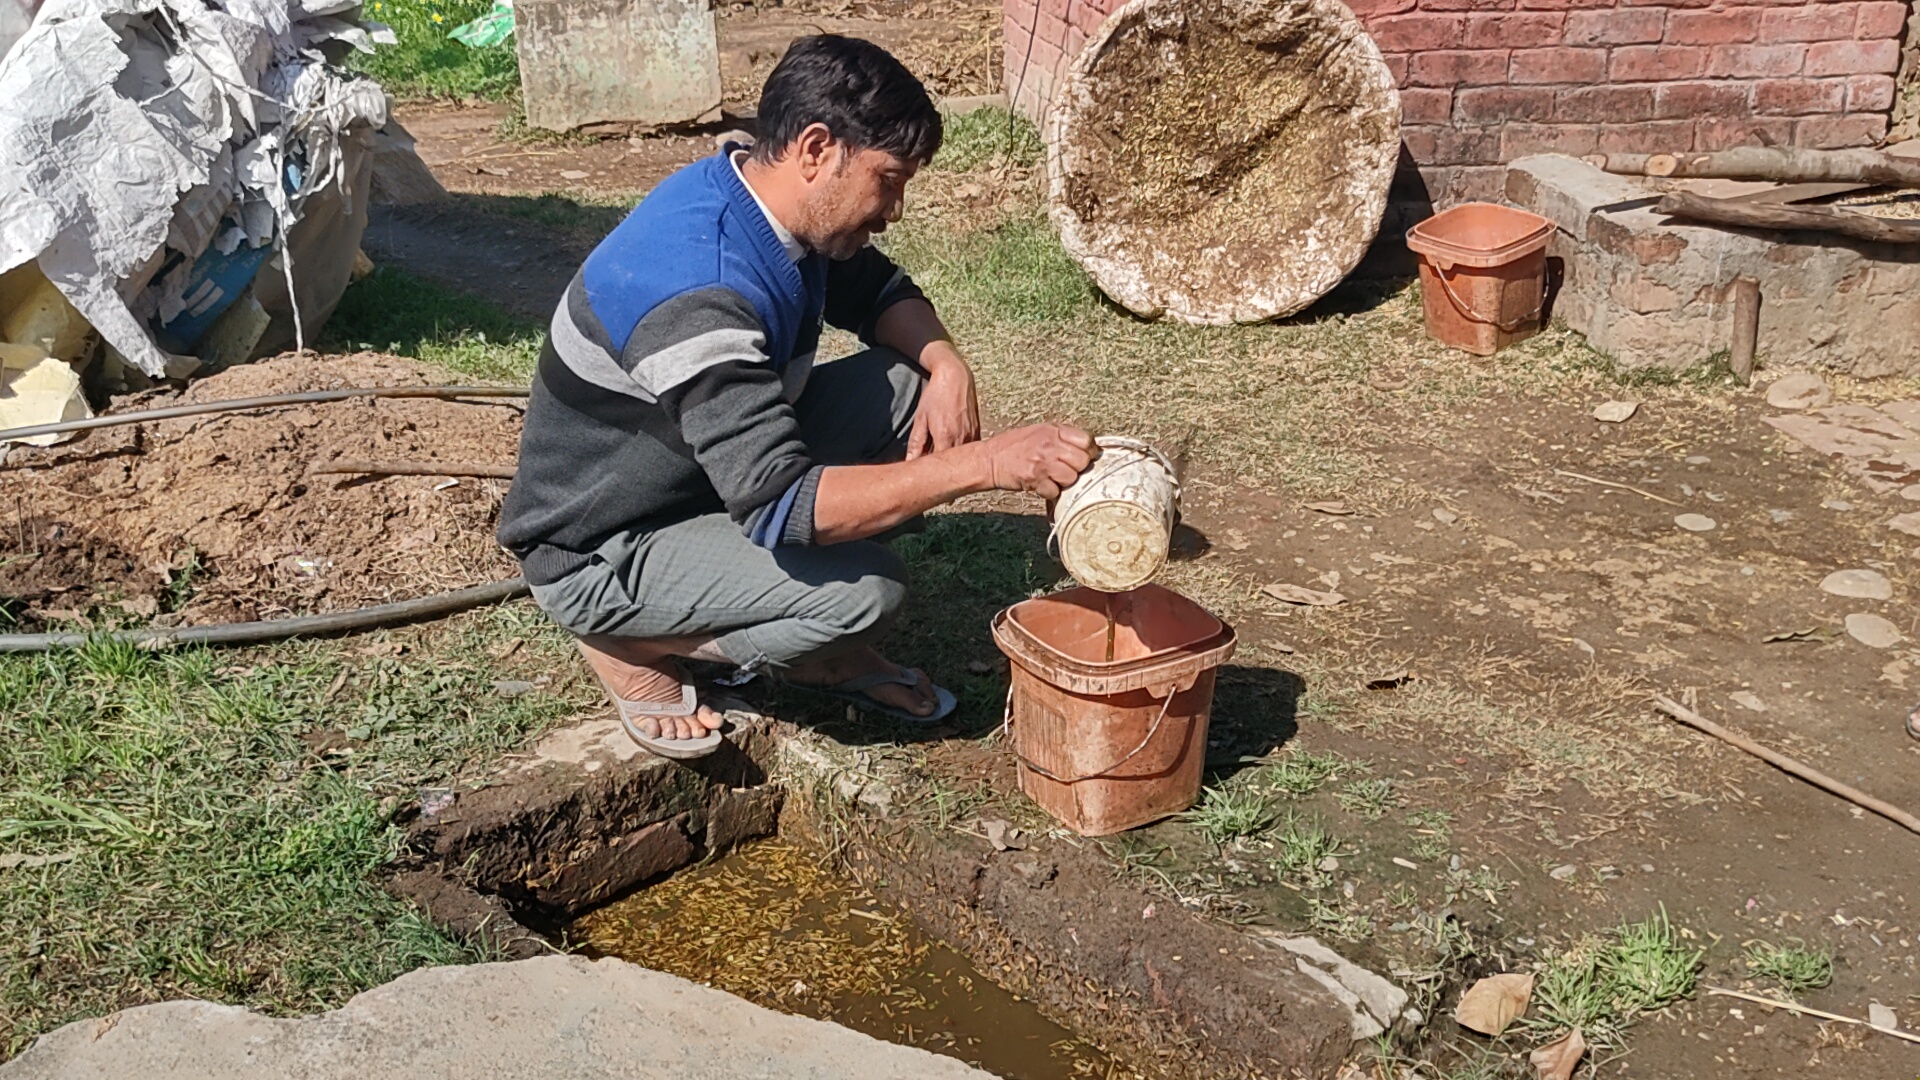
pixel 1300 773
pixel 1796 968
pixel 990 136
pixel 1227 813
pixel 1302 843
pixel 1370 799
pixel 1602 985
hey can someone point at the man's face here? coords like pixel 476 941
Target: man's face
pixel 851 198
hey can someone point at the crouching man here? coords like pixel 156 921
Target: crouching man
pixel 690 484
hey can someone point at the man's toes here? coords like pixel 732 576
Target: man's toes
pixel 650 727
pixel 709 721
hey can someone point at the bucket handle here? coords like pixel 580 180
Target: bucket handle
pixel 1006 728
pixel 1465 309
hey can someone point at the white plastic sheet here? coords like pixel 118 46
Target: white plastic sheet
pixel 130 129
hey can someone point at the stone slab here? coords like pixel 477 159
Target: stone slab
pixel 557 1016
pixel 1650 291
pixel 617 61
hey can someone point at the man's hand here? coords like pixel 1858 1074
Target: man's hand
pixel 1039 458
pixel 949 412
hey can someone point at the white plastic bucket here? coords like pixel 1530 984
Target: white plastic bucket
pixel 1114 525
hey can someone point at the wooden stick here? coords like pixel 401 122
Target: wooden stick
pixel 1786 764
pixel 1793 1008
pixel 1776 164
pixel 1746 327
pixel 1749 215
pixel 414 468
pixel 1615 484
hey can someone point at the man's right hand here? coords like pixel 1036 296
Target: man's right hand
pixel 1039 458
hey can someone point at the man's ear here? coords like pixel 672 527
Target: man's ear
pixel 815 151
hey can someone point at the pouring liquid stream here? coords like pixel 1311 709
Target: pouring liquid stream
pixel 1110 624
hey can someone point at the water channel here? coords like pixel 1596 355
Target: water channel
pixel 773 924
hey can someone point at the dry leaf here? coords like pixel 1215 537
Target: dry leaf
pixel 1336 508
pixel 1557 1060
pixel 1295 594
pixel 1614 412
pixel 1491 1004
pixel 1002 835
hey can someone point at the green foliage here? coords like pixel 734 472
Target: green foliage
pixel 1602 985
pixel 991 136
pixel 1796 968
pixel 1228 813
pixel 393 311
pixel 427 63
pixel 186 840
pixel 1300 773
pixel 1014 272
pixel 1370 799
pixel 1302 843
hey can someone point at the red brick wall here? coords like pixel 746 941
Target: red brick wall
pixel 1485 81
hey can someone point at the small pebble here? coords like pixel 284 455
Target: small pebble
pixel 1695 522
pixel 1699 459
pixel 1563 872
pixel 1780 517
pixel 1329 865
pixel 1801 390
pixel 1453 863
pixel 1841 505
pixel 1858 585
pixel 1873 631
pixel 1444 516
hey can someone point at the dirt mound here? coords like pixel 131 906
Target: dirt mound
pixel 215 518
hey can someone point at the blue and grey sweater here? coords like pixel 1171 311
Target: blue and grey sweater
pixel 666 386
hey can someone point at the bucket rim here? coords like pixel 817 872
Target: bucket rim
pixel 1445 254
pixel 1159 675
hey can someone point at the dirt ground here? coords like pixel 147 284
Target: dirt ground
pixel 220 518
pixel 1535 601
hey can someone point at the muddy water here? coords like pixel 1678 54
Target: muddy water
pixel 774 926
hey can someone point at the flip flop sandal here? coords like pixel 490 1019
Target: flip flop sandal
pixel 632 712
pixel 852 691
pixel 1913 721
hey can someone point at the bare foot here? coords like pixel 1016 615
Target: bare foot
pixel 918 699
pixel 641 671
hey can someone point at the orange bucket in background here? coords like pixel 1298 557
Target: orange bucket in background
pixel 1483 275
pixel 1105 745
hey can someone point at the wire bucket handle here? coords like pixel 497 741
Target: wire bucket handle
pixel 1466 309
pixel 1006 729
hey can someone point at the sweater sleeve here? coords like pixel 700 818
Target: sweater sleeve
pixel 702 355
pixel 860 289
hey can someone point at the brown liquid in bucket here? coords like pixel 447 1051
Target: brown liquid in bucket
pixel 1110 700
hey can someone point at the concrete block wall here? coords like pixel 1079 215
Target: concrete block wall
pixel 1486 81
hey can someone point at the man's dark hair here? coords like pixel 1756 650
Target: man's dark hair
pixel 864 96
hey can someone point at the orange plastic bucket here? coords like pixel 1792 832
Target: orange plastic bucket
pixel 1105 745
pixel 1483 275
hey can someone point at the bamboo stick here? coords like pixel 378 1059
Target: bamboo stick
pixel 1786 764
pixel 1758 999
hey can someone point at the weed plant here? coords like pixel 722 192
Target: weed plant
pixel 1795 968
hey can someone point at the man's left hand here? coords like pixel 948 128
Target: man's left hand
pixel 949 412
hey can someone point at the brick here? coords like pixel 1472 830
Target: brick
pixel 1559 66
pixel 1669 4
pixel 1621 26
pixel 1369 10
pixel 1655 137
pixel 1799 97
pixel 1564 5
pixel 1466 5
pixel 1499 104
pixel 1815 22
pixel 1735 27
pixel 1756 61
pixel 1087 19
pixel 1725 133
pixel 1424 106
pixel 1476 184
pixel 1880 19
pixel 1869 93
pixel 1438 145
pixel 1051 29
pixel 1460 67
pixel 1604 104
pixel 1839 132
pixel 1519 140
pixel 1853 58
pixel 1417 33
pixel 1691 100
pixel 1076 40
pixel 1657 63
pixel 1523 30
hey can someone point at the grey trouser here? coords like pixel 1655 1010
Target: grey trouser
pixel 764 608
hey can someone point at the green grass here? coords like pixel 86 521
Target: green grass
pixel 1230 813
pixel 198 846
pixel 1301 843
pixel 1602 985
pixel 393 311
pixel 428 64
pixel 1794 968
pixel 1011 275
pixel 1370 799
pixel 1300 773
pixel 988 137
